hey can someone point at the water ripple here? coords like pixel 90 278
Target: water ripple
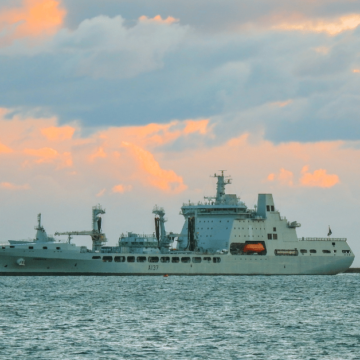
pixel 290 317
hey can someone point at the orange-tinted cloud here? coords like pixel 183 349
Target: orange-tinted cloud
pixel 49 155
pixel 153 135
pixel 101 193
pixel 58 133
pixel 356 71
pixel 44 154
pixel 285 177
pixel 282 103
pixel 34 18
pixel 11 186
pixel 334 27
pixel 193 126
pixel 158 19
pixel 99 153
pixel 166 180
pixel 4 149
pixel 318 178
pixel 121 188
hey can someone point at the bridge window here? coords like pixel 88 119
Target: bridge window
pixel 274 229
pixel 275 236
pixel 31 247
pixel 131 259
pixel 185 259
pixel 208 259
pixel 107 258
pixel 153 259
pixel 141 259
pixel 303 251
pixel 272 208
pixel 196 259
pixel 175 260
pixel 96 257
pixel 216 260
pixel 165 259
pixel 346 251
pixel 269 236
pixel 313 251
pixel 119 258
pixel 326 251
pixel 267 208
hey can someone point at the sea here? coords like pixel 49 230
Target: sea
pixel 180 317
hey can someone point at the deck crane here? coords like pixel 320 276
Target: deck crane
pixel 97 237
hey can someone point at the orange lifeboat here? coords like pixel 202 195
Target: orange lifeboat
pixel 253 248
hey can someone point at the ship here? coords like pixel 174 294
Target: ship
pixel 220 236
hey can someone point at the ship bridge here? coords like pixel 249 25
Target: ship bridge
pixel 221 204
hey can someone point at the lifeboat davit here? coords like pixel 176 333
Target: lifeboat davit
pixel 253 248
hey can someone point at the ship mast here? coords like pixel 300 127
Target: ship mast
pixel 220 187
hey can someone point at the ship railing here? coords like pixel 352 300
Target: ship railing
pixel 322 239
pixel 137 236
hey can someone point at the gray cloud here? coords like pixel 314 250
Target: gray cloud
pixel 106 71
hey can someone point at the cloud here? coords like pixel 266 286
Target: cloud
pixel 4 149
pixel 166 180
pixel 99 153
pixel 158 19
pixel 35 18
pixel 318 178
pixel 10 186
pixel 285 177
pixel 121 188
pixel 101 192
pixel 58 133
pixel 334 27
pixel 104 47
pixel 44 154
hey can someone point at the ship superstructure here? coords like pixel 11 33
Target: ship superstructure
pixel 220 236
pixel 41 236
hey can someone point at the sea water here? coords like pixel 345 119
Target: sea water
pixel 180 317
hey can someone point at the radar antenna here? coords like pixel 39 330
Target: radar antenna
pixel 220 187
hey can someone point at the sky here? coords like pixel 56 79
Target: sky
pixel 135 103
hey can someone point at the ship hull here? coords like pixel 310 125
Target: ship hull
pixel 83 264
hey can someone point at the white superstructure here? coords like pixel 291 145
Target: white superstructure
pixel 220 236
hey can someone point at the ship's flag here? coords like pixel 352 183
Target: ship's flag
pixel 330 232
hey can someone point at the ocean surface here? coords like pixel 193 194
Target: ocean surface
pixel 242 317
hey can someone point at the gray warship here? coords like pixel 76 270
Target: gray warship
pixel 220 236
